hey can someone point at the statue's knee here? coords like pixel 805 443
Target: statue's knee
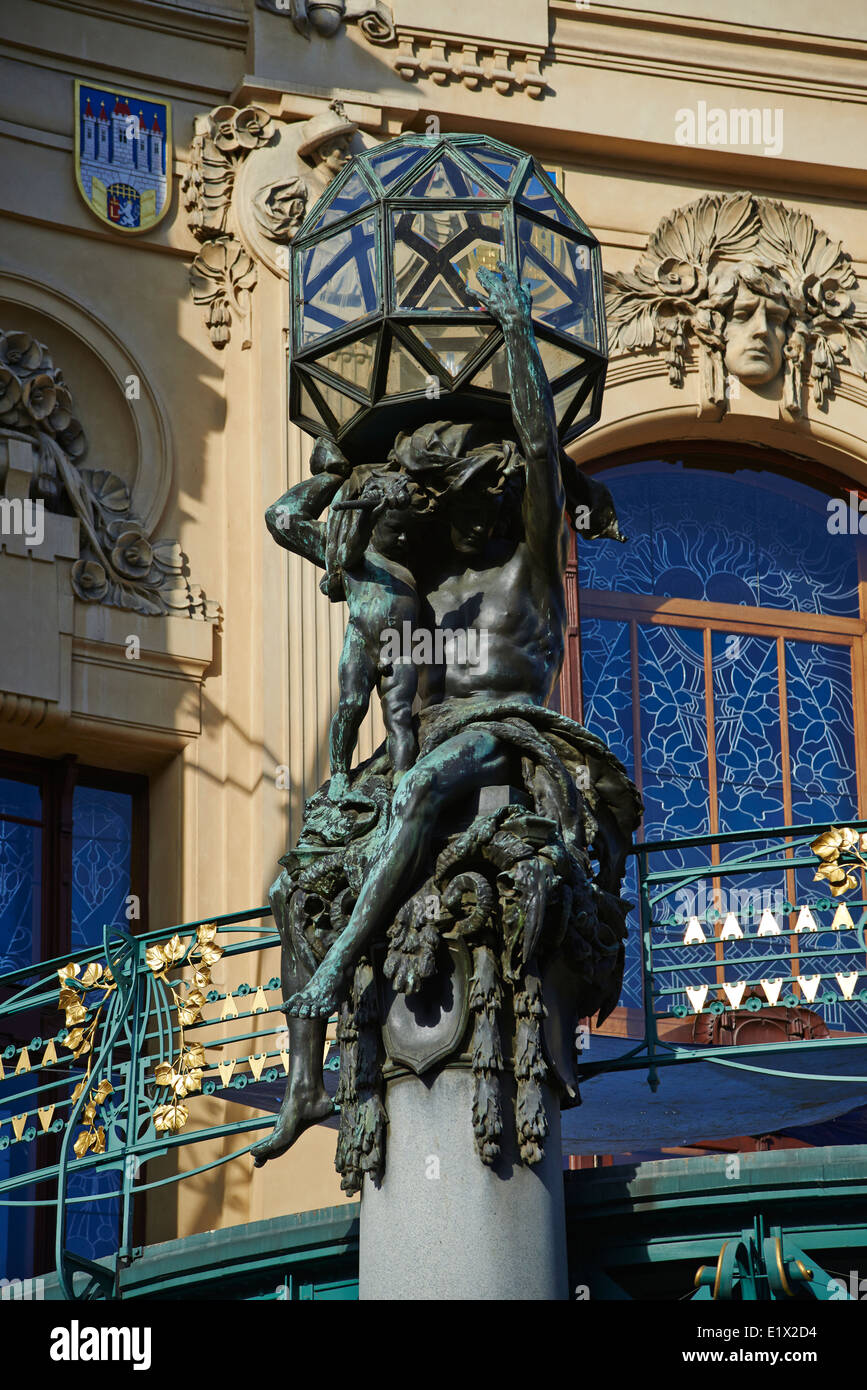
pixel 416 791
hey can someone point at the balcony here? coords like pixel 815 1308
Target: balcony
pixel 754 994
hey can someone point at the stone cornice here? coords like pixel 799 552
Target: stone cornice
pixel 724 54
pixel 718 31
pixel 191 19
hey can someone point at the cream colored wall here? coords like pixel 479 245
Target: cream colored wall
pixel 213 447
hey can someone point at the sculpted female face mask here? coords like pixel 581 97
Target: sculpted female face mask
pixel 755 336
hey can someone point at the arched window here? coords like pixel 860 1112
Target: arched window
pixel 722 650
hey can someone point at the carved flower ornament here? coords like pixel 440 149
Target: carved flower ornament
pixel 118 563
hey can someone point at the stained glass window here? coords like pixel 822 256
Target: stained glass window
pixel 57 893
pixel 734 729
pixel 745 536
pixel 20 872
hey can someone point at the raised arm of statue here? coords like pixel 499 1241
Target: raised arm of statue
pixel 533 416
pixel 293 521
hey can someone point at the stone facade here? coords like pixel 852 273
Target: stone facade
pixel 230 724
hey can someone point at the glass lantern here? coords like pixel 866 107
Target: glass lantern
pixel 386 333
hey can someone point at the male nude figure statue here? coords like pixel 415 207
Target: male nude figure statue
pixel 514 591
pixel 514 588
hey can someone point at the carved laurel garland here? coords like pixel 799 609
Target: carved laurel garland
pixel 118 564
pixel 687 279
pixel 223 273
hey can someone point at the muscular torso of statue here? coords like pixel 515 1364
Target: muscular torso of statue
pixel 517 609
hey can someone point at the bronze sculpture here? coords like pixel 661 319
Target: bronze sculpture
pixel 401 875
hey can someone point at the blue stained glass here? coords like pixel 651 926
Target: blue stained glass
pixel 824 787
pixel 92 1227
pixel 607 685
pixel 631 993
pixel 747 727
pixel 821 732
pixel 673 721
pixel 101 862
pixel 20 799
pixel 20 875
pixel 748 537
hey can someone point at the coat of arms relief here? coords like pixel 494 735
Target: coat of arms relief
pixel 251 180
pixel 756 288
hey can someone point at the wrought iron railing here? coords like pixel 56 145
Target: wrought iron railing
pixel 734 923
pixel 102 1098
pixel 136 1104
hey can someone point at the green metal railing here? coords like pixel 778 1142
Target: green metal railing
pixel 242 1037
pixel 778 866
pixel 241 1029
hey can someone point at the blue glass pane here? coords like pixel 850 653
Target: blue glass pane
pixel 446 180
pixel 746 699
pixel 391 165
pixel 746 537
pixel 631 993
pixel 20 799
pixel 339 281
pixel 821 732
pixel 673 730
pixel 101 859
pixel 502 166
pixel 606 681
pixel 16 1223
pixel 92 1227
pixel 352 196
pixel 560 277
pixel 535 194
pixel 675 782
pixel 824 787
pixel 607 685
pixel 20 876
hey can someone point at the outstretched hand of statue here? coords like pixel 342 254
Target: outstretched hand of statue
pixel 507 299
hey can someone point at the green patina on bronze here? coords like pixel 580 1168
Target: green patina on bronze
pixel 463 527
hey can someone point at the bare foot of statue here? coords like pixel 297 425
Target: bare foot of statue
pixel 301 1108
pixel 320 998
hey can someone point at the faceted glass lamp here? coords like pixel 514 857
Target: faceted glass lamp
pixel 385 330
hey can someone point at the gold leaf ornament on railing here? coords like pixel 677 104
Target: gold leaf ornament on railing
pixel 82 1022
pixel 829 847
pixel 183 1076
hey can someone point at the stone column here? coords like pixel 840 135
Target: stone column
pixel 443 1225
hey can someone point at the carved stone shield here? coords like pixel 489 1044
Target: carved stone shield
pixel 421 1029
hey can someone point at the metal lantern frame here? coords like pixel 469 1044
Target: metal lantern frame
pixel 380 413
